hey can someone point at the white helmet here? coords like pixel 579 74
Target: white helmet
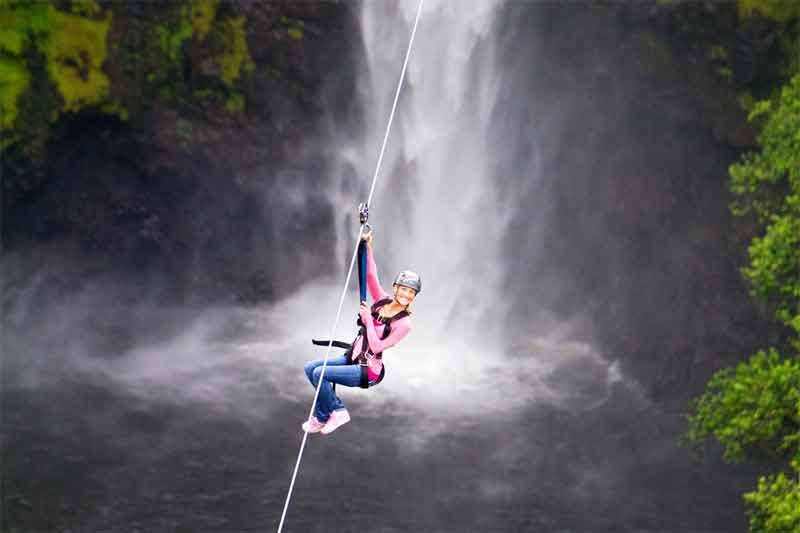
pixel 410 279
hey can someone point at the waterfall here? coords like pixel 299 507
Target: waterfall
pixel 434 208
pixel 438 207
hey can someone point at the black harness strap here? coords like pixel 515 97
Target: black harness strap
pixel 361 359
pixel 337 344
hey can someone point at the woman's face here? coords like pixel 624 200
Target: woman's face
pixel 404 295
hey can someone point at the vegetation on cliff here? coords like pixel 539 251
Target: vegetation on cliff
pixel 69 48
pixel 756 407
pixel 787 14
pixel 768 184
pixel 63 59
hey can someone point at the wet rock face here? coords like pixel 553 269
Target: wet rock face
pixel 177 174
pixel 641 115
pixel 641 119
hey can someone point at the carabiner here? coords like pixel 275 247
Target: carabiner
pixel 363 212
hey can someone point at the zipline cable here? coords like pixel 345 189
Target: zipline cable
pixel 352 262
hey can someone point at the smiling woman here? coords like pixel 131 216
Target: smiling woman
pixel 362 363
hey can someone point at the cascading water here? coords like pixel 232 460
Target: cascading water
pixel 438 206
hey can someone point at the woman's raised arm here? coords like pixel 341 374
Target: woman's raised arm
pixel 373 283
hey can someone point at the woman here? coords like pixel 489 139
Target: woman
pixel 382 326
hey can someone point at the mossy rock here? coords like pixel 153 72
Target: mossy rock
pixel 72 45
pixel 76 51
pixel 234 55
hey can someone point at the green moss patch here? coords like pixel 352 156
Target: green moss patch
pixel 294 27
pixel 75 54
pixel 777 10
pixel 73 46
pixel 14 80
pixel 20 22
pixel 234 59
pixel 203 14
pixel 199 30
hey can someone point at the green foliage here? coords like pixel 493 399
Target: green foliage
pixel 725 73
pixel 14 81
pixel 53 54
pixel 115 108
pixel 184 24
pixel 777 10
pixel 72 45
pixel 235 103
pixel 193 24
pixel 746 100
pixel 718 53
pixel 234 58
pixel 75 52
pixel 790 43
pixel 775 263
pixel 192 20
pixel 203 13
pixel 87 8
pixel 767 184
pixel 775 505
pixel 20 22
pixel 787 14
pixel 295 28
pixel 171 38
pixel 757 405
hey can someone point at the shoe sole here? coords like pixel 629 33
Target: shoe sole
pixel 334 427
pixel 309 430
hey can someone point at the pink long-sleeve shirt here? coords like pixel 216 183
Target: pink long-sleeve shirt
pixel 375 329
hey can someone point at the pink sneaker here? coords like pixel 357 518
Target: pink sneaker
pixel 312 425
pixel 338 418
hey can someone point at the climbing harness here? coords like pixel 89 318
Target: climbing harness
pixel 352 260
pixel 365 351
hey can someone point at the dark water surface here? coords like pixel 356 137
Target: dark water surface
pixel 82 457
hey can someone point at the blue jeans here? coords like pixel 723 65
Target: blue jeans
pixel 336 371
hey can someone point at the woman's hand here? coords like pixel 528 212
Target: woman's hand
pixel 364 312
pixel 367 237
